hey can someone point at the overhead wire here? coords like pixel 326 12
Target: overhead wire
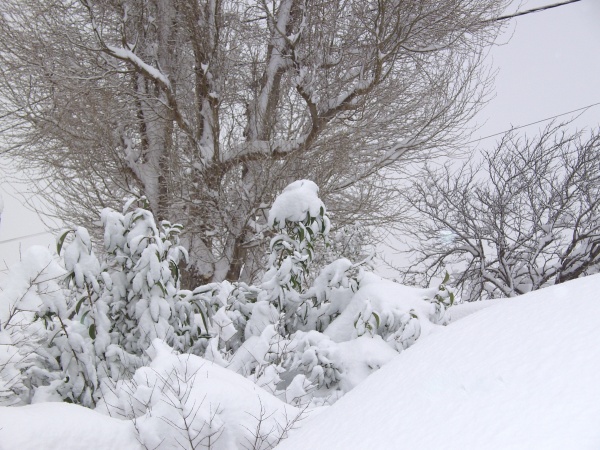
pixel 41 233
pixel 583 109
pixel 533 10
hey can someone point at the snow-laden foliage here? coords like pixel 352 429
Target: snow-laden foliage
pixel 444 298
pixel 32 284
pixel 100 316
pixel 142 282
pixel 116 331
pixel 300 333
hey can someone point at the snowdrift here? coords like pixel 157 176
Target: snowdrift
pixel 521 374
pixel 63 426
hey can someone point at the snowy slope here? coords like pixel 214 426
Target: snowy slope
pixel 522 374
pixel 63 426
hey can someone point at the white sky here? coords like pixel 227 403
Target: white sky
pixel 549 64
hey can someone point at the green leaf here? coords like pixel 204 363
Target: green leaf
pixel 61 241
pixel 446 278
pixel 92 331
pixel 204 320
pixel 451 298
pixel 377 321
pixel 174 270
pixel 84 315
pixel 162 287
pixel 78 305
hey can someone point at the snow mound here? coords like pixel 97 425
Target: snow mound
pixel 63 426
pixel 185 398
pixel 296 201
pixel 521 374
pixel 385 297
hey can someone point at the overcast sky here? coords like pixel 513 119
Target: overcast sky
pixel 549 64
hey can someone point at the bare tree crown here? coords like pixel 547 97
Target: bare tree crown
pixel 208 107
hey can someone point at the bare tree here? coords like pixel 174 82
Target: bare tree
pixel 208 107
pixel 528 216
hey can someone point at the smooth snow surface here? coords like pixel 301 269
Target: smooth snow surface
pixel 522 374
pixel 461 310
pixel 63 426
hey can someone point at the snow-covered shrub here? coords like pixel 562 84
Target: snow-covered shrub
pixel 112 309
pixel 32 284
pixel 443 299
pixel 305 334
pixel 300 335
pixel 142 282
pixel 398 314
pixel 298 216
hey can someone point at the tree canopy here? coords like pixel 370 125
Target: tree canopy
pixel 208 107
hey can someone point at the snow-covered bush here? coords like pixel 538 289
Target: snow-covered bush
pixel 444 298
pixel 32 284
pixel 301 335
pixel 110 311
pixel 116 332
pixel 142 282
pixel 298 216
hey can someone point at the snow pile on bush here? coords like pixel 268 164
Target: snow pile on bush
pixel 118 333
pixel 32 285
pixel 297 201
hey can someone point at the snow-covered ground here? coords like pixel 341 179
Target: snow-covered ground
pixel 521 374
pixel 63 426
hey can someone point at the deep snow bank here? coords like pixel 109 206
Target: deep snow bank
pixel 521 374
pixel 63 426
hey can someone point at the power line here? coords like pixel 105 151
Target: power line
pixel 534 10
pixel 25 236
pixel 534 123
